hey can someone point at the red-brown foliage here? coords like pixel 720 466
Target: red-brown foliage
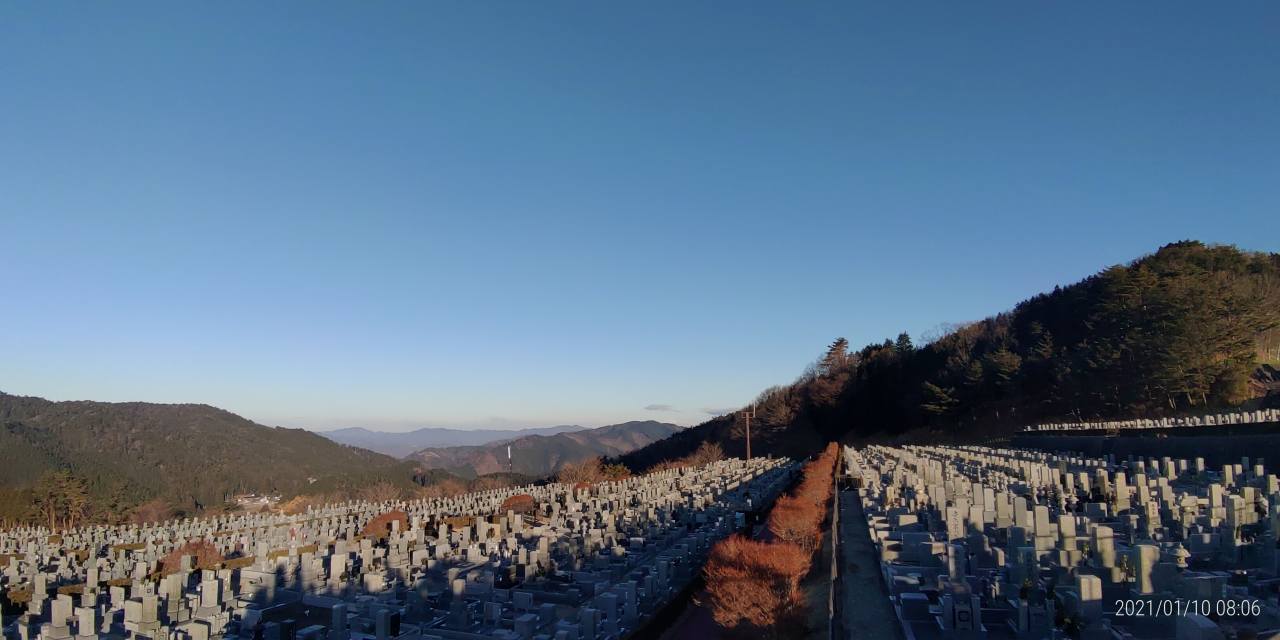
pixel 520 503
pixel 796 521
pixel 756 584
pixel 798 518
pixel 753 586
pixel 380 527
pixel 816 485
pixel 204 556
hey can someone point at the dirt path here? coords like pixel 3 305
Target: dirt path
pixel 865 609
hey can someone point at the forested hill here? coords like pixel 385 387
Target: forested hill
pixel 402 444
pixel 541 455
pixel 190 455
pixel 1180 331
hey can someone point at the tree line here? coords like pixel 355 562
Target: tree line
pixel 1180 331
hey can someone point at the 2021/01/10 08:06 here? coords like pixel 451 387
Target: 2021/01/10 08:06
pixel 1223 607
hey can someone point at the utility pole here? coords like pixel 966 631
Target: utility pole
pixel 748 415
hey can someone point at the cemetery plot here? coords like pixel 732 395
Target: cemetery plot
pixel 554 561
pixel 1260 416
pixel 978 542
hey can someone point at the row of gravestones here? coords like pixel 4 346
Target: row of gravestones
pixel 1210 420
pixel 1021 541
pixel 581 563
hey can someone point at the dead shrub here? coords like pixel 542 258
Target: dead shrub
pixel 756 584
pixel 151 511
pixel 590 470
pixel 490 483
pixel 796 521
pixel 380 492
pixel 444 489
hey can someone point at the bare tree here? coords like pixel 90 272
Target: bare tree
pixel 588 471
pixel 442 489
pixel 381 492
pixel 151 511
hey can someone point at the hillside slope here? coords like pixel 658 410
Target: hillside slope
pixel 189 454
pixel 1183 330
pixel 540 455
pixel 404 444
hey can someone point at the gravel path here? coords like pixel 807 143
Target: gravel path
pixel 866 610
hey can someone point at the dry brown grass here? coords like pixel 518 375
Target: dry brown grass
pixel 243 562
pixel 380 527
pixel 457 522
pixel 299 504
pixel 204 556
pixel 521 503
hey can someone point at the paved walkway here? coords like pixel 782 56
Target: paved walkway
pixel 865 609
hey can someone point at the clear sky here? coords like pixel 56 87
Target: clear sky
pixel 394 214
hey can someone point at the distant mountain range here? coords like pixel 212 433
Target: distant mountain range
pixel 404 444
pixel 541 455
pixel 191 455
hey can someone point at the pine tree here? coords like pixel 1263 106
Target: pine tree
pixel 836 358
pixel 937 400
pixel 975 376
pixel 1004 366
pixel 903 345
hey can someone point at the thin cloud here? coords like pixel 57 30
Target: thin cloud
pixel 660 407
pixel 717 412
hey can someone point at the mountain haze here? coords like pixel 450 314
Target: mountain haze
pixel 404 444
pixel 541 455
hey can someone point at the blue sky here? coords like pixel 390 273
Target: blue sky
pixel 514 213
